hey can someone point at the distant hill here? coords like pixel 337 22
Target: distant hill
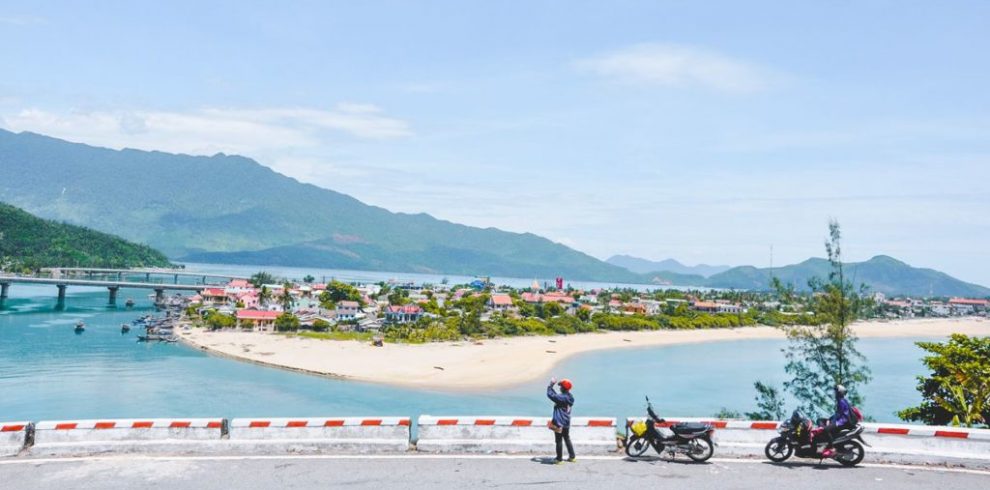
pixel 644 266
pixel 30 242
pixel 230 209
pixel 881 273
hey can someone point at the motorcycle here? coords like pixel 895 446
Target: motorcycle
pixel 690 438
pixel 798 437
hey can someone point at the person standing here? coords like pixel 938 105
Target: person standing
pixel 561 423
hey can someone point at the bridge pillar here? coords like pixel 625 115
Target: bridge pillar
pixel 176 279
pixel 159 296
pixel 204 280
pixel 120 276
pixel 147 277
pixel 60 305
pixel 113 295
pixel 4 287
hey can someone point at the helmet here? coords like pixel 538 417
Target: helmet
pixel 566 384
pixel 840 391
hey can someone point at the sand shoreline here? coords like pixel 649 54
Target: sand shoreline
pixel 496 363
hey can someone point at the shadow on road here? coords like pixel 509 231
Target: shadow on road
pixel 655 459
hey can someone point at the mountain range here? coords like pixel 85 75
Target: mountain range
pixel 645 266
pixel 231 209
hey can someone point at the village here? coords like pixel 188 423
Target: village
pixel 341 307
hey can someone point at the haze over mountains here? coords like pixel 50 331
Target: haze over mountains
pixel 645 266
pixel 231 209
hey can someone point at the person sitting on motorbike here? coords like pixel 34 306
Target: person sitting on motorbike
pixel 840 420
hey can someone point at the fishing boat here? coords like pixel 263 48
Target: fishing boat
pixel 124 328
pixel 80 326
pixel 129 303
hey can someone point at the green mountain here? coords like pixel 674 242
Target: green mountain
pixel 881 273
pixel 30 242
pixel 230 209
pixel 644 266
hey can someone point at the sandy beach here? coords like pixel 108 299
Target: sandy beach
pixel 498 362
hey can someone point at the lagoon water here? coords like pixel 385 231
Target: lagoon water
pixel 49 372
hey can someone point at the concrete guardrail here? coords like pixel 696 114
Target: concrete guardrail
pixel 173 436
pixel 13 437
pixel 360 435
pixel 893 443
pixel 590 435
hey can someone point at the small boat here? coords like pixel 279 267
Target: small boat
pixel 80 326
pixel 124 328
pixel 129 303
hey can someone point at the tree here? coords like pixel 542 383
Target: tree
pixel 260 278
pixel 552 309
pixel 769 404
pixel 285 298
pixel 823 355
pixel 320 325
pixel 309 279
pixel 336 292
pixel 264 296
pixel 247 324
pixel 286 322
pixel 957 391
pixel 217 320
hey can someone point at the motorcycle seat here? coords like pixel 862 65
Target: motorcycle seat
pixel 689 427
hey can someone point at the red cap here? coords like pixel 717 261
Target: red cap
pixel 566 384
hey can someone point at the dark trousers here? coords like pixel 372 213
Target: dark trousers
pixel 831 430
pixel 563 436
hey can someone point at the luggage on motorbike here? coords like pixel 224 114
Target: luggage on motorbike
pixel 638 427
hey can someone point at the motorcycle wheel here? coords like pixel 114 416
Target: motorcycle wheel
pixel 778 450
pixel 701 449
pixel 636 446
pixel 850 454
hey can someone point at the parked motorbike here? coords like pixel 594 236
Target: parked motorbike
pixel 690 438
pixel 800 438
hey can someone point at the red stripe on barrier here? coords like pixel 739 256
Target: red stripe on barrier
pixel 255 424
pixel 599 423
pixel 763 425
pixel 522 423
pixel 105 425
pixel 719 424
pixel 953 434
pixel 893 430
pixel 296 423
pixel 65 426
pixel 367 422
pixel 447 422
pixel 404 422
pixel 333 423
pixel 142 425
pixel 179 424
pixel 214 424
pixel 484 422
pixel 12 428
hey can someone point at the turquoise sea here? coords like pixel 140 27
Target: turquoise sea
pixel 49 372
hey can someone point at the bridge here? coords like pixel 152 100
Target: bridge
pixel 120 274
pixel 112 285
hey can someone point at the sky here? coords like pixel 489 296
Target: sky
pixel 704 131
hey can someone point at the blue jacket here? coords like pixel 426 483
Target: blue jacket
pixel 843 413
pixel 562 403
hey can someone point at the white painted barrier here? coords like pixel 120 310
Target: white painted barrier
pixel 511 435
pixel 895 443
pixel 167 436
pixel 13 437
pixel 360 435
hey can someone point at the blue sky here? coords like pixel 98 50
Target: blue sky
pixel 703 131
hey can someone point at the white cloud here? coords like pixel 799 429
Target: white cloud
pixel 678 66
pixel 244 131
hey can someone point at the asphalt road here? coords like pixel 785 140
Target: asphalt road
pixel 203 473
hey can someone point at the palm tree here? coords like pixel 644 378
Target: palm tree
pixel 264 296
pixel 286 298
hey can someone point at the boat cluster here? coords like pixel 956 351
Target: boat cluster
pixel 156 329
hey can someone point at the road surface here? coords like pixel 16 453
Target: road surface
pixel 382 472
